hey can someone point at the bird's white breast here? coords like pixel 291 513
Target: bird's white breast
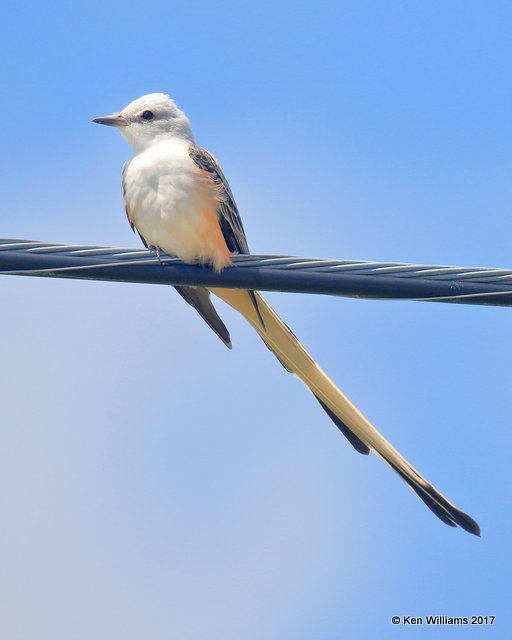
pixel 166 198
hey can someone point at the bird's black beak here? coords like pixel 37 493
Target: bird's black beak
pixel 117 120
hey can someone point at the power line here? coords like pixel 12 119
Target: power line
pixel 352 278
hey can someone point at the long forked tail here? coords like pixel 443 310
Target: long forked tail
pixel 361 433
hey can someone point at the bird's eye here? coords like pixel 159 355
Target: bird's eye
pixel 148 115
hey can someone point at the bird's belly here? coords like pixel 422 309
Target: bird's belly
pixel 177 213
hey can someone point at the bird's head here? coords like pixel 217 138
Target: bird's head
pixel 149 120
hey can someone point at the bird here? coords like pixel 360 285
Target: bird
pixel 178 200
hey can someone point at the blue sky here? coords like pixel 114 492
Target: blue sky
pixel 154 484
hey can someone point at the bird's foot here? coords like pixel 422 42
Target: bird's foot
pixel 157 252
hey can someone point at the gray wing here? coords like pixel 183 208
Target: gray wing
pixel 229 218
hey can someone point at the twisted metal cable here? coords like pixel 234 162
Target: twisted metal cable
pixel 352 278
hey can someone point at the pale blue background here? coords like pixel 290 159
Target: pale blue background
pixel 154 484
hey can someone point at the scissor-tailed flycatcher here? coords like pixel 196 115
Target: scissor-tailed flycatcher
pixel 179 201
